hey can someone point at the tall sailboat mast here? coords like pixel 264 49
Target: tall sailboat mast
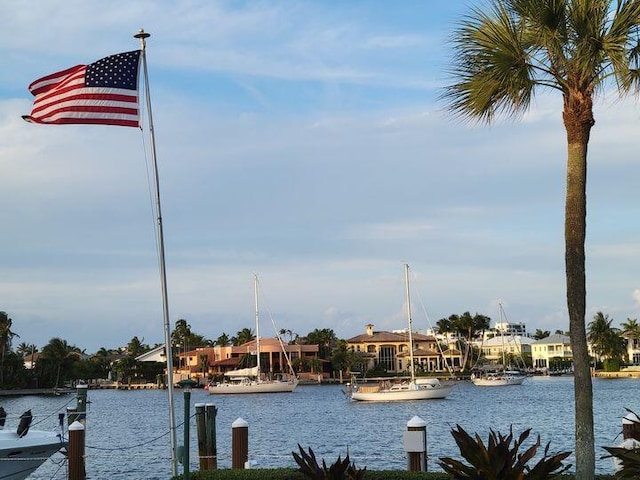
pixel 502 326
pixel 255 299
pixel 408 300
pixel 142 36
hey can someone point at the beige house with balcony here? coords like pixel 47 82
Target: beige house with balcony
pixel 516 349
pixel 390 350
pixel 633 349
pixel 554 348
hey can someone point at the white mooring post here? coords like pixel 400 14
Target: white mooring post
pixel 415 444
pixel 630 437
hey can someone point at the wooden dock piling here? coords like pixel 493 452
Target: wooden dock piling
pixel 239 444
pixel 76 451
pixel 201 430
pixel 212 446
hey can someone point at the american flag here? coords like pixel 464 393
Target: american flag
pixel 104 92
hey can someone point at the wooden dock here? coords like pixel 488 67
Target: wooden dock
pixel 36 391
pixel 620 374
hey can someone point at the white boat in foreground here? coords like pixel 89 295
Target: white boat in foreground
pixel 21 455
pixel 252 380
pixel 414 389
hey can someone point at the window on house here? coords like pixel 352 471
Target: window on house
pixel 387 357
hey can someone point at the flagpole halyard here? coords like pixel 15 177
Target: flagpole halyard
pixel 142 36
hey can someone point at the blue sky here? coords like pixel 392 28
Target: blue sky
pixel 304 142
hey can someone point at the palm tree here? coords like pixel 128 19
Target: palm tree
pixel 181 333
pixel 606 341
pixel 468 327
pixel 325 338
pixel 6 337
pixel 102 361
pixel 243 336
pixel 540 334
pixel 135 347
pixel 575 47
pixel 631 331
pixel 57 351
pixel 223 340
pixel 26 348
pixel 445 328
pixel 631 328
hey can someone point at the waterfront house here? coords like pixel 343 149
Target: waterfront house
pixel 202 363
pixel 517 350
pixel 633 348
pixel 552 353
pixel 156 354
pixel 390 350
pixel 30 360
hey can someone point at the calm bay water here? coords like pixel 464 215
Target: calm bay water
pixel 127 430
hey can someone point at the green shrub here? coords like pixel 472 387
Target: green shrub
pixel 291 474
pixel 340 470
pixel 498 460
pixel 630 460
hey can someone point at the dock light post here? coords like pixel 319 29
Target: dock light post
pixel 415 444
pixel 186 386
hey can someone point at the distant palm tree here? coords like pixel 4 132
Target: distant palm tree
pixel 6 337
pixel 446 328
pixel 468 327
pixel 501 55
pixel 204 361
pixel 631 328
pixel 243 336
pixel 289 333
pixel 103 361
pixel 325 338
pixel 135 347
pixel 26 348
pixel 57 351
pixel 606 341
pixel 631 331
pixel 181 333
pixel 540 334
pixel 223 340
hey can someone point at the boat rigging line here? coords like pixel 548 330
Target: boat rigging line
pixel 424 310
pixel 275 328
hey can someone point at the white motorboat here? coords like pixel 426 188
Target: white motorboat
pixel 252 380
pixel 414 389
pixel 22 451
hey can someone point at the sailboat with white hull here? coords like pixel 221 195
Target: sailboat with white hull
pixel 502 378
pixel 415 389
pixel 252 380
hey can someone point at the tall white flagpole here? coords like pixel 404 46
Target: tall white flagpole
pixel 142 35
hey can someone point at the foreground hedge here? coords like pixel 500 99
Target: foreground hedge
pixel 292 474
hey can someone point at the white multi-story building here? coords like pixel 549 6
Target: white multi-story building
pixel 555 348
pixel 515 348
pixel 633 349
pixel 516 329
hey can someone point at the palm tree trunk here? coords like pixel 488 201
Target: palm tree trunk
pixel 578 120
